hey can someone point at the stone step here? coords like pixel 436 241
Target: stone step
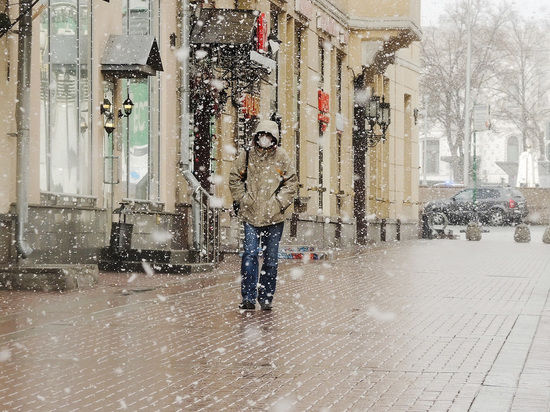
pixel 161 261
pixel 136 255
pixel 48 277
pixel 132 266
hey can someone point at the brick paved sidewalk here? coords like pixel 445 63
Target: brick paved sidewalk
pixel 445 325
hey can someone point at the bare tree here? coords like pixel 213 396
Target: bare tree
pixel 522 82
pixel 444 56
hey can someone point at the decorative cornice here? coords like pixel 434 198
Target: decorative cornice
pixel 390 23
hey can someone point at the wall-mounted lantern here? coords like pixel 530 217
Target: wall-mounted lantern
pixel 377 116
pixel 106 109
pixel 109 125
pixel 127 105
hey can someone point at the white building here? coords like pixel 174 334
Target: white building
pixel 500 158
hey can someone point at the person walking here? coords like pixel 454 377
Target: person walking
pixel 263 185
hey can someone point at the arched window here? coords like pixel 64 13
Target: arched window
pixel 512 149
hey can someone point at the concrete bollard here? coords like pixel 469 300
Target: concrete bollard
pixel 522 233
pixel 473 231
pixel 546 236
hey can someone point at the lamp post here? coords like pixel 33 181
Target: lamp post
pixel 106 109
pixel 466 148
pixel 127 105
pixel 372 118
pixel 481 123
pixel 121 232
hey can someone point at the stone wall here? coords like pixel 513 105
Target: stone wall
pixel 74 235
pixel 63 234
pixel 312 231
pixel 321 232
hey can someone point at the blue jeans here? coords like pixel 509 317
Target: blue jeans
pixel 268 237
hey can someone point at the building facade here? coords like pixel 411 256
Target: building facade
pixel 501 158
pixel 136 108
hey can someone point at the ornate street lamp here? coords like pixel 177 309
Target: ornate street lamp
pixel 106 109
pixel 377 116
pixel 109 123
pixel 127 105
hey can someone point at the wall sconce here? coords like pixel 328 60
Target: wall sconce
pixel 273 43
pixel 378 115
pixel 106 109
pixel 127 105
pixel 106 106
pixel 109 125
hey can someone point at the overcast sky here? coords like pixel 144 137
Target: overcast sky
pixel 432 8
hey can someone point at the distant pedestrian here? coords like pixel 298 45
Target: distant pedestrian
pixel 263 184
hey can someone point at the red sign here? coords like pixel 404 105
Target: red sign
pixel 250 105
pixel 323 101
pixel 261 34
pixel 323 117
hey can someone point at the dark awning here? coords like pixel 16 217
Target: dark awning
pixel 232 33
pixel 131 56
pixel 224 26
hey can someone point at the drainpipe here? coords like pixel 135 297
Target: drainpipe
pixel 184 69
pixel 184 127
pixel 22 114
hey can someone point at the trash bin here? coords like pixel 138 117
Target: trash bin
pixel 121 236
pixel 121 232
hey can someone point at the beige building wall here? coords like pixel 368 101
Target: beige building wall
pixel 169 83
pixel 343 28
pixel 106 20
pixel 349 30
pixel 8 128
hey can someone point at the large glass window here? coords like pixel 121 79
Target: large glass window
pixel 65 144
pixel 139 131
pixel 135 138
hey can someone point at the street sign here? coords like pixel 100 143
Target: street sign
pixel 481 117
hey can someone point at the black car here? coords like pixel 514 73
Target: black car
pixel 495 206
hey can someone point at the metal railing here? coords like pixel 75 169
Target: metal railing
pixel 206 228
pixel 205 223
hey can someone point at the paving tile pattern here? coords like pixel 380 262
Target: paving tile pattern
pixel 445 325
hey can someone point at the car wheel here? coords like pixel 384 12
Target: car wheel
pixel 496 218
pixel 438 220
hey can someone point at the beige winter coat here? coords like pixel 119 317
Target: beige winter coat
pixel 270 186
